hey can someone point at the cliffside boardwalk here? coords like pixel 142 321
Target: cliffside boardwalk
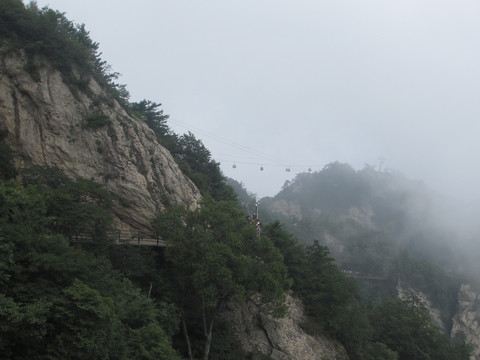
pixel 358 275
pixel 125 237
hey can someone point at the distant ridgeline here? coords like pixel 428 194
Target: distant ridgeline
pixel 382 204
pixel 382 229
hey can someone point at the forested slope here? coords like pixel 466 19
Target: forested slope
pixel 392 234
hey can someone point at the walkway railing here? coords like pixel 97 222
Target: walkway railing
pixel 125 237
pixel 358 275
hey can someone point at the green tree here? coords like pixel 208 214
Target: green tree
pixel 60 301
pixel 292 252
pixel 7 167
pixel 75 208
pixel 325 291
pixel 47 32
pixel 409 331
pixel 217 258
pixel 150 113
pixel 196 162
pixel 85 324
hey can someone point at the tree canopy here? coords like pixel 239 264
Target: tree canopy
pixel 62 301
pixel 49 33
pixel 215 257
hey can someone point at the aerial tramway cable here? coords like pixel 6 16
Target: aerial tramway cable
pixel 232 143
pixel 262 165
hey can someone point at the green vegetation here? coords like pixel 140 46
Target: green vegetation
pixel 334 305
pixel 149 112
pixel 214 257
pixel 381 227
pixel 193 158
pixel 7 167
pixel 196 162
pixel 408 330
pixel 67 299
pixel 64 301
pixel 380 259
pixel 97 120
pixel 67 45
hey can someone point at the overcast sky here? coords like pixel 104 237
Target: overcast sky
pixel 299 84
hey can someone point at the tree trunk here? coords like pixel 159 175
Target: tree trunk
pixel 150 290
pixel 185 334
pixel 208 330
pixel 208 339
pixel 208 342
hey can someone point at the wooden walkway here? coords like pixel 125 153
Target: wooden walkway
pixel 125 237
pixel 358 275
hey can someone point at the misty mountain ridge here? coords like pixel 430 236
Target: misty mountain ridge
pixel 413 216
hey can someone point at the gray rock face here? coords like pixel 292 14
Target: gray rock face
pixel 466 321
pixel 281 339
pixel 48 125
pixel 417 298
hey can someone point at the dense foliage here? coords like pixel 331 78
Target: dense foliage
pixel 215 257
pixel 408 330
pixel 67 45
pixel 7 167
pixel 335 305
pixel 64 301
pixel 379 225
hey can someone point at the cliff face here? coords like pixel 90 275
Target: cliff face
pixel 281 339
pixel 49 124
pixel 418 298
pixel 466 322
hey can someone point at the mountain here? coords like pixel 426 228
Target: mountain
pixel 87 134
pixel 60 115
pixel 394 235
pixel 376 199
pixel 220 288
pixel 410 214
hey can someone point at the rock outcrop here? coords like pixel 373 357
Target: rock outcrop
pixel 89 135
pixel 418 298
pixel 466 322
pixel 280 338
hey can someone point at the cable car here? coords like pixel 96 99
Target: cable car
pixel 287 169
pixel 261 168
pixel 234 166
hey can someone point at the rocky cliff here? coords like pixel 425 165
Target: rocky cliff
pixel 283 338
pixel 418 298
pixel 466 322
pixel 88 135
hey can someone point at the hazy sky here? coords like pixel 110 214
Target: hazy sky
pixel 299 84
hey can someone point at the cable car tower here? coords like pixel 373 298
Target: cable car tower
pixel 255 220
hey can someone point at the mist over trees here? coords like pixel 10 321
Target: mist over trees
pixel 385 229
pixel 388 205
